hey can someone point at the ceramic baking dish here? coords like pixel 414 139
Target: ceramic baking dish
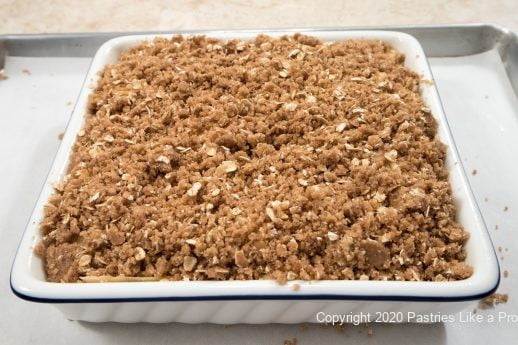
pixel 260 301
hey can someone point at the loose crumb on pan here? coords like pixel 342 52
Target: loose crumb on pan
pixel 304 327
pixel 26 71
pixel 506 209
pixel 292 341
pixel 278 158
pixel 474 172
pixel 506 274
pixel 60 135
pixel 3 76
pixel 493 300
pixel 340 328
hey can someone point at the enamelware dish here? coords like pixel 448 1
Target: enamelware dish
pixel 260 301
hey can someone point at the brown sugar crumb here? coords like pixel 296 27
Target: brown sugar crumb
pixel 335 327
pixel 60 135
pixel 493 300
pixel 474 172
pixel 26 71
pixel 295 287
pixel 39 249
pixel 506 274
pixel 375 253
pixel 3 76
pixel 277 158
pixel 339 328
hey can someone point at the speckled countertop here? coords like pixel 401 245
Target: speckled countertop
pixel 25 16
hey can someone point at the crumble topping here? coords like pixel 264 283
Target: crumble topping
pixel 276 158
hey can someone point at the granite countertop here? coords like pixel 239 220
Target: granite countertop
pixel 134 15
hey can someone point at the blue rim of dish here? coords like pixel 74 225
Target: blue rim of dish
pixel 390 298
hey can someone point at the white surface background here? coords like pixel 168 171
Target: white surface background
pixel 481 108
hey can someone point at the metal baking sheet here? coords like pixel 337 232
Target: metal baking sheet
pixel 476 71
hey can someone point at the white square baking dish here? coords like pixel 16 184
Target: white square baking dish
pixel 260 301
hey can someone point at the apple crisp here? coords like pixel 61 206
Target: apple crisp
pixel 276 158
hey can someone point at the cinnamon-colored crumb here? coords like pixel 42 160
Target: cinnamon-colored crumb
pixel 494 299
pixel 292 341
pixel 340 328
pixel 26 71
pixel 279 158
pixel 60 135
pixel 474 172
pixel 39 249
